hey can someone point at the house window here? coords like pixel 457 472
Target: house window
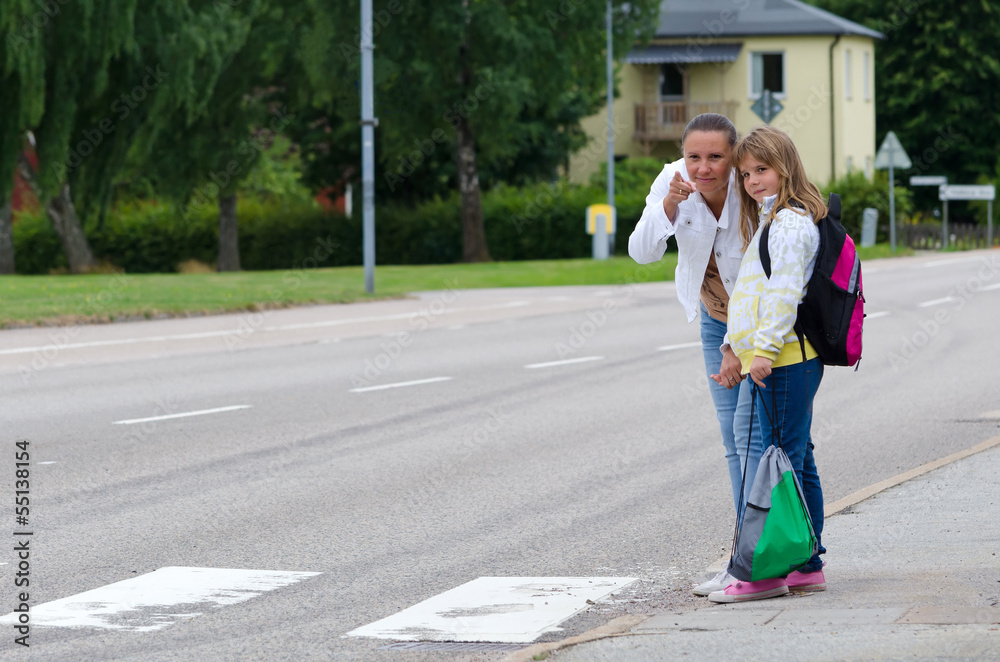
pixel 767 72
pixel 847 74
pixel 866 78
pixel 850 164
pixel 671 83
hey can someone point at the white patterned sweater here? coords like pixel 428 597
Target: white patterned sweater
pixel 762 310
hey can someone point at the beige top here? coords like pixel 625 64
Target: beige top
pixel 713 292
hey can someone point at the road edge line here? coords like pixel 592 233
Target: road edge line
pixel 870 491
pixel 616 627
pixel 853 499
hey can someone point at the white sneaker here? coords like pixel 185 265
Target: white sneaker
pixel 717 583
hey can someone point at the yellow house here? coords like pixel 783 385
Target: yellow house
pixel 720 56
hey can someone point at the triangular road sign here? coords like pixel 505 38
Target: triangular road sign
pixel 892 154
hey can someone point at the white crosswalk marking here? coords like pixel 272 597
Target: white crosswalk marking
pixel 152 601
pixel 495 609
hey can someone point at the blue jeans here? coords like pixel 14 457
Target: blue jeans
pixel 732 408
pixel 788 399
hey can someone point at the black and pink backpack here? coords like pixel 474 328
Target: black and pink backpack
pixel 833 310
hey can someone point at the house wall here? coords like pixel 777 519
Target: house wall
pixel 806 104
pixel 588 160
pixel 855 116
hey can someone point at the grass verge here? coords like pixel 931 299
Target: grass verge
pixel 51 300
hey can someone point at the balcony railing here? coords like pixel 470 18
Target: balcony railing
pixel 666 120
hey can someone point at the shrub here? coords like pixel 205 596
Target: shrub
pixel 542 221
pixel 857 192
pixel 37 249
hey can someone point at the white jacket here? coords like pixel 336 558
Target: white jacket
pixel 697 232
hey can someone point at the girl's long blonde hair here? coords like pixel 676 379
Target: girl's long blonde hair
pixel 775 149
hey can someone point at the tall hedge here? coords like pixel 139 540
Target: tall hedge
pixel 545 221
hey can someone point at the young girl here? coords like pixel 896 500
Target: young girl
pixel 762 311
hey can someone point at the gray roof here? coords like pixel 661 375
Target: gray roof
pixel 684 54
pixel 721 19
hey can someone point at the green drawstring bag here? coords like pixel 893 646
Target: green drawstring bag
pixel 775 535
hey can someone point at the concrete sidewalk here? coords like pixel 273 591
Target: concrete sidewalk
pixel 913 573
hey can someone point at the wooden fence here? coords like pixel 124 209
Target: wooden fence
pixel 928 236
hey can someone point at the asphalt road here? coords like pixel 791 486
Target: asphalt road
pixel 494 464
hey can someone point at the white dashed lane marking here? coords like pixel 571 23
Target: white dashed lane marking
pixel 936 302
pixel 670 348
pixel 550 364
pixel 416 382
pixel 200 412
pixel 495 609
pixel 152 601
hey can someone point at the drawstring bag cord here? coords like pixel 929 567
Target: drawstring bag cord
pixel 775 435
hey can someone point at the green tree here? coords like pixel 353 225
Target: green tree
pixel 22 62
pixel 491 86
pixel 76 46
pixel 937 80
pixel 204 159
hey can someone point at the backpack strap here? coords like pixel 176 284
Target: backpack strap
pixel 834 207
pixel 765 255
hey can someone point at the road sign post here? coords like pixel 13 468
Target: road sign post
pixel 601 222
pixel 969 192
pixel 891 155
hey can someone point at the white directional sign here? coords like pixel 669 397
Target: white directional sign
pixel 891 154
pixel 967 192
pixel 928 180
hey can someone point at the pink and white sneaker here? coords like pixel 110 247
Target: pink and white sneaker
pixel 806 581
pixel 740 591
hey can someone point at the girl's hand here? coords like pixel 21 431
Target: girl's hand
pixel 729 373
pixel 759 369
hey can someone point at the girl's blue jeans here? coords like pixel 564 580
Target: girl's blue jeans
pixel 732 408
pixel 788 399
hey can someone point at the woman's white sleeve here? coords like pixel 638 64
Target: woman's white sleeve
pixel 648 241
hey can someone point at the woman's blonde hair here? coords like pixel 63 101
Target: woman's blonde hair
pixel 775 149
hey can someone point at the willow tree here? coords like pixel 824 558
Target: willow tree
pixel 22 63
pixel 496 86
pixel 79 41
pixel 201 158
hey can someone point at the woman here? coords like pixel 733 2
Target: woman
pixel 696 200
